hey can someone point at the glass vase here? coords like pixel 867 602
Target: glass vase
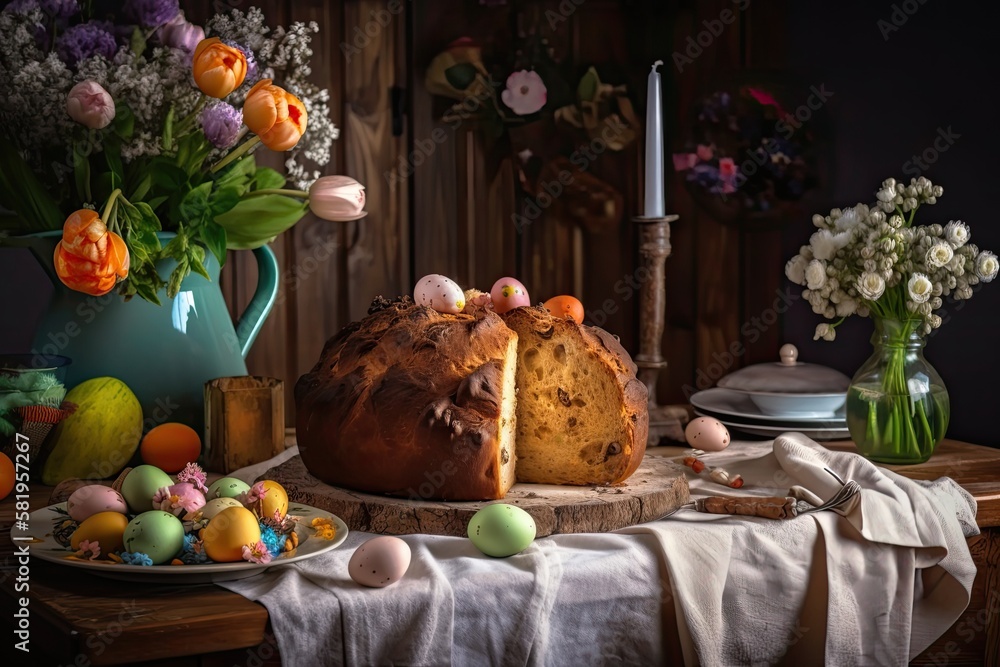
pixel 897 404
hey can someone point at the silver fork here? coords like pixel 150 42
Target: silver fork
pixel 846 492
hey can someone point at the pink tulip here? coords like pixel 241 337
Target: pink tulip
pixel 180 34
pixel 337 198
pixel 90 105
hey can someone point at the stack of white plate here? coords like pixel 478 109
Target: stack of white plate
pixel 773 398
pixel 737 411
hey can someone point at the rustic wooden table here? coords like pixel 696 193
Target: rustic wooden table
pixel 81 619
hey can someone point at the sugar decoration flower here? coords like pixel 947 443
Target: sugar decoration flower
pixel 256 553
pixel 89 550
pixel 324 528
pixel 194 475
pixel 179 499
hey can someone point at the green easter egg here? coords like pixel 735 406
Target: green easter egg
pixel 501 530
pixel 227 487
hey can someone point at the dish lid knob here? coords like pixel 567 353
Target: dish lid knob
pixel 789 354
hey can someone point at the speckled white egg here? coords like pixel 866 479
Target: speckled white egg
pixel 440 293
pixel 707 434
pixel 380 561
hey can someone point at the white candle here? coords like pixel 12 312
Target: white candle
pixel 654 207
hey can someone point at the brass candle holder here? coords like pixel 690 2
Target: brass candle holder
pixel 665 421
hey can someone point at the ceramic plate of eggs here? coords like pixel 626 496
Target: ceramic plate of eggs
pixel 162 529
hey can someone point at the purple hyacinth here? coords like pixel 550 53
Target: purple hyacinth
pixel 152 13
pixel 221 123
pixel 83 41
pixel 21 6
pixel 60 9
pixel 251 60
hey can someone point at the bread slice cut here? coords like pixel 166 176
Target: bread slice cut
pixel 582 416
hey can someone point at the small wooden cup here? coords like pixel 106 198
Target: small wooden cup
pixel 244 421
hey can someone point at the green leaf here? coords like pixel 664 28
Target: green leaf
pixel 23 192
pixel 194 206
pixel 224 198
pixel 256 220
pixel 197 258
pixel 214 236
pixel 147 292
pixel 124 122
pixel 461 76
pixel 239 172
pixel 137 43
pixel 81 173
pixel 268 179
pixel 168 129
pixel 113 156
pixel 586 90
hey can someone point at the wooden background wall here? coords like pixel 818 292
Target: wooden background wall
pixel 452 215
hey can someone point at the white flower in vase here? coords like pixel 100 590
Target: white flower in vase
pixel 920 288
pixel 939 255
pixel 825 331
pixel 957 233
pixel 795 269
pixel 825 243
pixel 816 275
pixel 871 285
pixel 986 266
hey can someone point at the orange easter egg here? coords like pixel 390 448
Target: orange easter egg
pixel 7 476
pixel 170 447
pixel 566 306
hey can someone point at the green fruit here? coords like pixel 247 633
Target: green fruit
pixel 99 438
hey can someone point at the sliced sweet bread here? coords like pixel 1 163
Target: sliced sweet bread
pixel 582 416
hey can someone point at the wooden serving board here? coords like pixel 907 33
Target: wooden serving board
pixel 656 488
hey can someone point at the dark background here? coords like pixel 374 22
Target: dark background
pixel 939 70
pixel 452 215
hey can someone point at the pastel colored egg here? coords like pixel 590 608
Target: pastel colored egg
pixel 141 484
pixel 228 532
pixel 216 505
pixel 380 561
pixel 275 499
pixel 440 293
pixel 105 528
pixel 707 434
pixel 566 306
pixel 501 530
pixel 158 534
pixel 227 487
pixel 93 498
pixel 508 293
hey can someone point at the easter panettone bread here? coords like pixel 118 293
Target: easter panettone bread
pixel 414 403
pixel 582 416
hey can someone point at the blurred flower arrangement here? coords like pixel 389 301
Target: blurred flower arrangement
pixel 114 131
pixel 744 145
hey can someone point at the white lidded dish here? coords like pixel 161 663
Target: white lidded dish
pixel 790 388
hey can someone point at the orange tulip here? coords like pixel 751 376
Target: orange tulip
pixel 90 259
pixel 274 115
pixel 218 68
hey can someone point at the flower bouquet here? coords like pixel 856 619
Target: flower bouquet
pixel 747 152
pixel 873 262
pixel 116 130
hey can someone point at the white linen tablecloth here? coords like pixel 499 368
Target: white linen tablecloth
pixel 873 588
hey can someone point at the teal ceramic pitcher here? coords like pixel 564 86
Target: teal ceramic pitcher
pixel 165 353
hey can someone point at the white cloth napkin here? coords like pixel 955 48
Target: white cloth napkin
pixel 876 587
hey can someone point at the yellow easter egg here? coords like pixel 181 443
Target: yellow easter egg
pixel 105 528
pixel 228 532
pixel 276 498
